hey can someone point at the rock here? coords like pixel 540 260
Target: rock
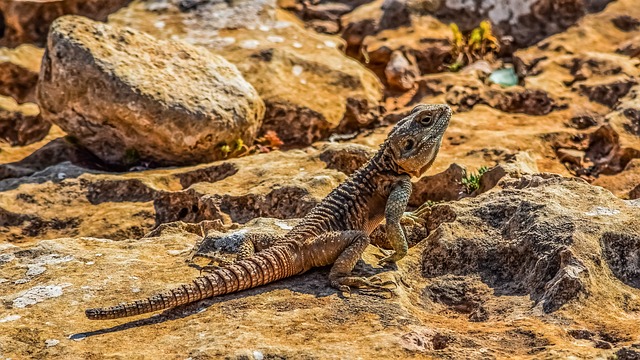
pixel 346 158
pixel 400 72
pixel 310 88
pixel 53 153
pixel 466 91
pixel 594 32
pixel 55 173
pixel 542 17
pixel 426 40
pixel 223 242
pixel 625 184
pixel 506 250
pixel 176 109
pixel 516 100
pixel 522 236
pixel 630 48
pixel 296 183
pixel 28 21
pixel 513 166
pixel 19 70
pixel 628 353
pixel 571 156
pixel 608 92
pixel 21 124
pixel 444 186
pixel 459 293
pixel 370 19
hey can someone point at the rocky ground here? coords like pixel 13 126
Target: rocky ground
pixel 158 128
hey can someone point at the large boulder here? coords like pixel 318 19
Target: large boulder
pixel 130 98
pixel 28 21
pixel 310 88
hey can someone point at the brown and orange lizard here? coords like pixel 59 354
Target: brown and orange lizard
pixel 335 232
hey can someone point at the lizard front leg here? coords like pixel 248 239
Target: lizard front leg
pixel 394 210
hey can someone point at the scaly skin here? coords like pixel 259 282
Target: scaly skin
pixel 334 232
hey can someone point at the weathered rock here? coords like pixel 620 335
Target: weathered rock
pixel 309 86
pixel 99 84
pixel 527 22
pixel 295 184
pixel 346 158
pixel 401 72
pixel 21 124
pixel 19 70
pixel 444 186
pixel 514 166
pixel 375 31
pixel 28 21
pixel 427 41
pixel 54 152
pixel 466 91
pixel 607 92
pixel 630 48
pixel 624 184
pixel 370 19
pixel 594 32
pixel 523 239
pixel 537 243
pixel 628 353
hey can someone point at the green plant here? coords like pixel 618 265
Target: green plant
pixel 479 44
pixel 270 141
pixel 472 180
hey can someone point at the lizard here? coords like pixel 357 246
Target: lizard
pixel 335 232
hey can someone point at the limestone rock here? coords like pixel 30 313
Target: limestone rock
pixel 510 231
pixel 346 158
pixel 547 252
pixel 296 183
pixel 542 17
pixel 21 124
pixel 129 98
pixel 375 31
pixel 370 19
pixel 19 70
pixel 28 21
pixel 444 186
pixel 594 32
pixel 400 71
pixel 310 88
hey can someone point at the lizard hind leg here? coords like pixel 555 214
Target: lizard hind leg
pixel 240 245
pixel 340 276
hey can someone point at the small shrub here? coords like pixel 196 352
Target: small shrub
pixel 479 44
pixel 472 180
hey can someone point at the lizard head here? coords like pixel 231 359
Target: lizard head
pixel 415 140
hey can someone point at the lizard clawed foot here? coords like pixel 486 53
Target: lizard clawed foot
pixel 215 262
pixel 374 286
pixel 412 218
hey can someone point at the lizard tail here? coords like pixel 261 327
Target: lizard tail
pixel 262 268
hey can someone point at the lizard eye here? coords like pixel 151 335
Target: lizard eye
pixel 408 145
pixel 427 120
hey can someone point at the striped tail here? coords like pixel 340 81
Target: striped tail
pixel 262 268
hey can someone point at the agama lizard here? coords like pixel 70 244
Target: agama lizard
pixel 335 232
